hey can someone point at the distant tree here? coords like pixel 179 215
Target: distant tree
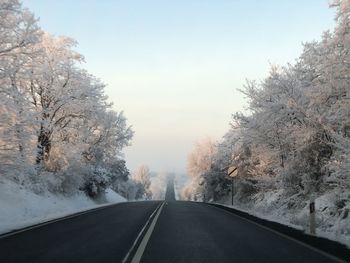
pixel 199 164
pixel 142 177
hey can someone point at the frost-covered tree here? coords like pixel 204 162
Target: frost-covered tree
pixel 142 178
pixel 18 33
pixel 19 28
pixel 199 163
pixel 59 92
pixel 103 139
pixel 57 129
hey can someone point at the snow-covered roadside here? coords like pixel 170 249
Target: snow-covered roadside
pixel 332 223
pixel 20 207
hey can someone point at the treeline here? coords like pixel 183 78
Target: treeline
pixel 295 136
pixel 58 131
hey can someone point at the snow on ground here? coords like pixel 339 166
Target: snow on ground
pixel 113 197
pixel 332 213
pixel 20 207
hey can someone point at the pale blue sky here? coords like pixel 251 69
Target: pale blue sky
pixel 174 66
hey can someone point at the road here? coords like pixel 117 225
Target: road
pixel 177 232
pixel 170 193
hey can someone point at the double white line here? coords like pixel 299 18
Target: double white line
pixel 151 222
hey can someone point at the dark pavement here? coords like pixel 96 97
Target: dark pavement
pixel 196 232
pixel 170 191
pixel 184 232
pixel 104 235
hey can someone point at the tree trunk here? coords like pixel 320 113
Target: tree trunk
pixel 44 145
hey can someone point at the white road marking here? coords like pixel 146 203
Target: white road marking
pixel 143 244
pixel 285 236
pixel 157 212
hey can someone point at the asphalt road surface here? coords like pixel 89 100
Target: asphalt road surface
pixel 176 232
pixel 195 232
pixel 170 193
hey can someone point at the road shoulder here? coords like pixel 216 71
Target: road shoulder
pixel 329 246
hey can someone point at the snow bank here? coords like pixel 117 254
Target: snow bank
pixel 332 214
pixel 113 197
pixel 20 207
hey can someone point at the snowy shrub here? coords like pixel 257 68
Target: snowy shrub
pixel 96 182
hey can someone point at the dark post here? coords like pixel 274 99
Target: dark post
pixel 230 174
pixel 232 190
pixel 312 215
